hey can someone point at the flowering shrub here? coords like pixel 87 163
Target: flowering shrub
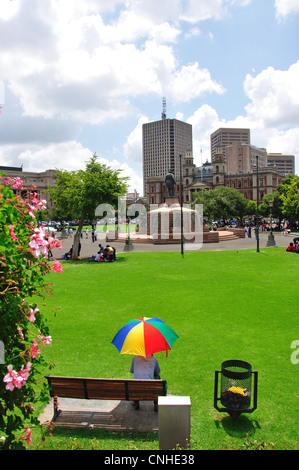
pixel 23 265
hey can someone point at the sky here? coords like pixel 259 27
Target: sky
pixel 79 77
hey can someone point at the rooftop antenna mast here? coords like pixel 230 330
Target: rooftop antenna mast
pixel 163 115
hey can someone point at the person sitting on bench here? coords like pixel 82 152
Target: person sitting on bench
pixel 145 368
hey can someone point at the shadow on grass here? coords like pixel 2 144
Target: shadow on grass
pixel 240 427
pixel 119 259
pixel 66 437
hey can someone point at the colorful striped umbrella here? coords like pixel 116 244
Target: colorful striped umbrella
pixel 144 336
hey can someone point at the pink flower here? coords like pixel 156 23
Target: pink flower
pixel 54 243
pixel 20 332
pixel 12 234
pixel 17 183
pixel 56 402
pixel 28 436
pixel 57 267
pixel 34 349
pixel 32 312
pixel 34 200
pixel 38 205
pixel 45 339
pixel 30 211
pixel 10 378
pixel 24 373
pixel 48 340
pixel 42 204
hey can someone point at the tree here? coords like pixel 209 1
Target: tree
pixel 222 203
pixel 23 331
pixel 275 208
pixel 251 208
pixel 288 192
pixel 80 192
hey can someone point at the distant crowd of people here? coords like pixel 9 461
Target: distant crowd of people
pixel 104 254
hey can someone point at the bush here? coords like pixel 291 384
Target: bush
pixel 23 332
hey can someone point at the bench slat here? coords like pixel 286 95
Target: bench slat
pixel 106 389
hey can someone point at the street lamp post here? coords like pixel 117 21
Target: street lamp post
pixel 271 239
pixel 128 241
pixel 181 185
pixel 257 205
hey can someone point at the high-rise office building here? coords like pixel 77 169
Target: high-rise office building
pixel 163 142
pixel 226 136
pixel 285 163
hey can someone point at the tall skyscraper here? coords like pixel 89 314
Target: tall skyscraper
pixel 163 142
pixel 226 136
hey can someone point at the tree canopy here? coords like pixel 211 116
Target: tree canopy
pixel 283 203
pixel 78 193
pixel 222 203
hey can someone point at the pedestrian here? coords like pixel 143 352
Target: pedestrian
pixel 86 232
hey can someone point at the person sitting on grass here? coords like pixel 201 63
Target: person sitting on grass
pixel 290 248
pixel 109 253
pixel 96 257
pixel 68 255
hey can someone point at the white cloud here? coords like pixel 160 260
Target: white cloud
pixel 285 8
pixel 133 145
pixel 68 63
pixel 204 120
pixel 8 9
pixel 69 155
pixel 272 114
pixel 191 82
pixel 199 10
pixel 274 96
pixel 135 180
pixel 63 61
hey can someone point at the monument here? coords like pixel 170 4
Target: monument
pixel 170 184
pixel 164 224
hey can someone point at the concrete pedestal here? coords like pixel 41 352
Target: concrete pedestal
pixel 174 422
pixel 128 245
pixel 271 240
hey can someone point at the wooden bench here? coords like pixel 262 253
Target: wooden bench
pixel 104 389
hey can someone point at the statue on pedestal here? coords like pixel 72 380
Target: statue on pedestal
pixel 170 183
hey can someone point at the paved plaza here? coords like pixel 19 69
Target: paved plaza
pixel 89 248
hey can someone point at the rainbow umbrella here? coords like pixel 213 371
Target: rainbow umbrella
pixel 144 336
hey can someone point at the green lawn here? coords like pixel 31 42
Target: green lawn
pixel 223 305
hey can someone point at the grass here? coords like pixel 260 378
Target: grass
pixel 223 305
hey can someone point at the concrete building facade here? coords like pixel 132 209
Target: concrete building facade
pixel 227 136
pixel 41 182
pixel 162 143
pixel 240 157
pixel 285 163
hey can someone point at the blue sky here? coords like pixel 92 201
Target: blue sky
pixel 78 77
